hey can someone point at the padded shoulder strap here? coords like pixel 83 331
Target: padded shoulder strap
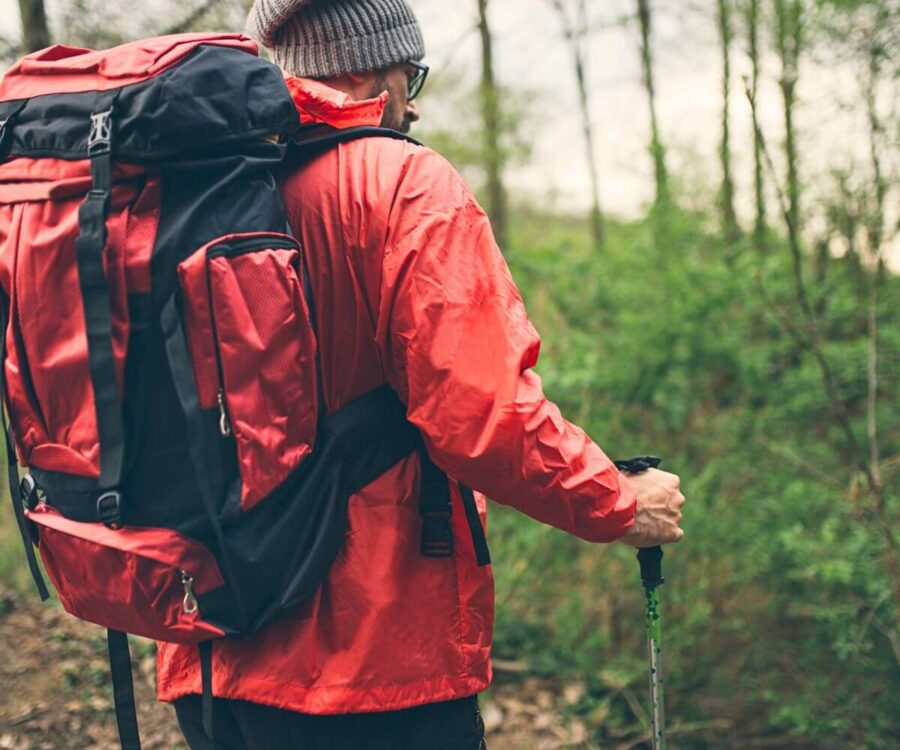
pixel 317 139
pixel 435 507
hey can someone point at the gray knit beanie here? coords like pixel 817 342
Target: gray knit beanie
pixel 323 38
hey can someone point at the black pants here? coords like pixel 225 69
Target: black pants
pixel 239 725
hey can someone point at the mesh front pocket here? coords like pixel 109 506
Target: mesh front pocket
pixel 253 352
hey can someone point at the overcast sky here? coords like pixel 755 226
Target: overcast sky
pixel 531 57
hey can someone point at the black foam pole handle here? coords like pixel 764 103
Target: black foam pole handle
pixel 650 559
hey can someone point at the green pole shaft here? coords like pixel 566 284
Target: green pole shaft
pixel 654 647
pixel 650 559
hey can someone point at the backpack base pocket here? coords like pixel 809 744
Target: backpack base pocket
pixel 138 580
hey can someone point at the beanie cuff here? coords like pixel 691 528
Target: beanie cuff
pixel 327 38
pixel 352 54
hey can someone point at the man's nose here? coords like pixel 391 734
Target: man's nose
pixel 412 111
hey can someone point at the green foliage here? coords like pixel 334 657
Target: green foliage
pixel 779 610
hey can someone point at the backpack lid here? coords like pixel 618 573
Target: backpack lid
pixel 169 96
pixel 60 69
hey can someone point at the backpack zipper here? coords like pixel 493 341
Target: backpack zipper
pixel 231 249
pixel 224 422
pixel 189 604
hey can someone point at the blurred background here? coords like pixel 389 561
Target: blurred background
pixel 699 201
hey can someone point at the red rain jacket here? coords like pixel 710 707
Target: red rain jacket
pixel 411 289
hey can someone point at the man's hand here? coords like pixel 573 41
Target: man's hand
pixel 659 503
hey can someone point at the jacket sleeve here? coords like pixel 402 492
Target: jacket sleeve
pixel 458 347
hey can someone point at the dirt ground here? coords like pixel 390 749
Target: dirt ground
pixel 56 694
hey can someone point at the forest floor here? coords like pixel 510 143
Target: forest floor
pixel 56 693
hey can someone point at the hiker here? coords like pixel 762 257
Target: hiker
pixel 411 290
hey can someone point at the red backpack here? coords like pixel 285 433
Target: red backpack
pixel 159 356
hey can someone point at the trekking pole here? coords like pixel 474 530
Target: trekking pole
pixel 650 559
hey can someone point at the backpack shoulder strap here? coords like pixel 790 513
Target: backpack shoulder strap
pixel 313 140
pixel 434 498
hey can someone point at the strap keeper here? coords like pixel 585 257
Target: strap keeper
pixel 109 509
pixel 437 534
pixel 98 195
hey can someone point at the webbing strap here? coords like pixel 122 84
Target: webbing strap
pixel 89 247
pixel 206 694
pixel 15 494
pixel 123 689
pixel 482 554
pixel 12 469
pixel 98 321
pixel 435 509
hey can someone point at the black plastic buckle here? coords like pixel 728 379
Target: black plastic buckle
pixel 28 492
pixel 437 535
pixel 100 137
pixel 109 509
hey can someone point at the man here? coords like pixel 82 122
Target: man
pixel 409 289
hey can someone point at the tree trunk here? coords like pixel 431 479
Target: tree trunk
pixel 875 232
pixel 726 191
pixel 576 36
pixel 788 36
pixel 657 151
pixel 490 113
pixel 759 225
pixel 579 45
pixel 35 33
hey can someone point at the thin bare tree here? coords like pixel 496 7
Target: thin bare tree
pixel 576 32
pixel 759 224
pixel 788 42
pixel 726 189
pixel 657 150
pixel 490 113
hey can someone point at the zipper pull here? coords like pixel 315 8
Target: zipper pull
pixel 224 425
pixel 189 605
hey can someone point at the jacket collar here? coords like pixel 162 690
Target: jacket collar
pixel 318 103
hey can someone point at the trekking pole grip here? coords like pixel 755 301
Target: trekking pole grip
pixel 650 558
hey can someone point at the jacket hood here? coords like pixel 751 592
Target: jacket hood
pixel 318 103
